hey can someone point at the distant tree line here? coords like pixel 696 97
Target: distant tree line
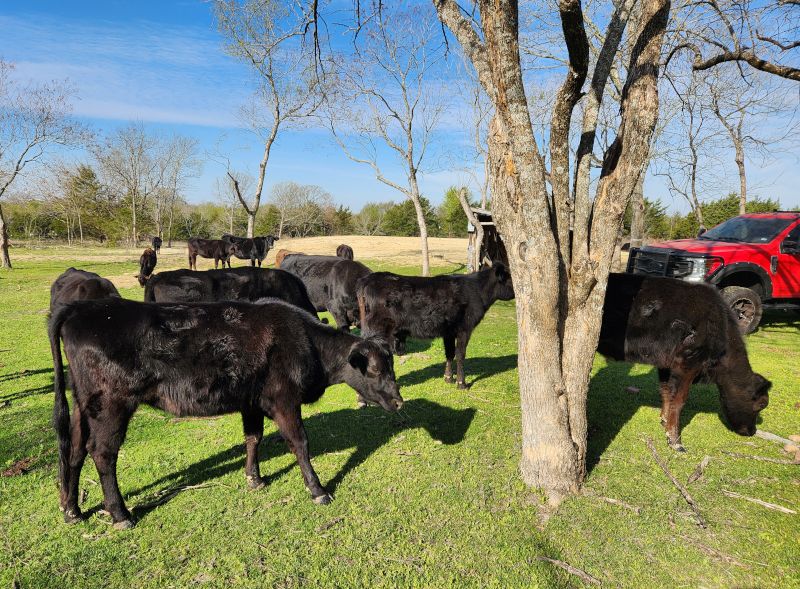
pixel 79 207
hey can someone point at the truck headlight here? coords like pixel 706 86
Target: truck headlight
pixel 701 269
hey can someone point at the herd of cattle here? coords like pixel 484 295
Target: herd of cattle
pixel 249 340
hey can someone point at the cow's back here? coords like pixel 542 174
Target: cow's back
pixel 78 285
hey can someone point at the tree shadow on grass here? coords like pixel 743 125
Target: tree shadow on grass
pixel 483 367
pixel 610 406
pixel 365 429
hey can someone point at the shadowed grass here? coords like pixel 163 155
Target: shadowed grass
pixel 430 497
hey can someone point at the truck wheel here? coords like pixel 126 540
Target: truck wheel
pixel 746 306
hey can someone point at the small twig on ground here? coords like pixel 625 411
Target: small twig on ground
pixel 699 471
pixel 330 524
pixel 759 502
pixel 637 510
pixel 713 552
pixel 692 503
pixel 765 435
pixel 571 569
pixel 760 458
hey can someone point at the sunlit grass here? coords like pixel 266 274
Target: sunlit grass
pixel 431 498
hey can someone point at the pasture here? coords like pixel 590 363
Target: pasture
pixel 430 497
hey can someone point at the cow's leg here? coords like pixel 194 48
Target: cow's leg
pixel 449 354
pixel 462 339
pixel 69 486
pixel 291 427
pixel 672 425
pixel 666 386
pixel 400 343
pixel 108 430
pixel 253 422
pixel 192 262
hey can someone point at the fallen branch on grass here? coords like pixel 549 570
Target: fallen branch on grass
pixel 713 552
pixel 692 503
pixel 765 435
pixel 571 569
pixel 698 472
pixel 759 502
pixel 634 508
pixel 759 458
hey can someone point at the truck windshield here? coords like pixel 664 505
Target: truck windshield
pixel 747 230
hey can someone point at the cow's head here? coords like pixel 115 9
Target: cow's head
pixel 370 371
pixel 742 401
pixel 501 282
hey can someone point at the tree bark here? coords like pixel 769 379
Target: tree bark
pixel 4 240
pixel 742 178
pixel 637 213
pixel 475 258
pixel 423 226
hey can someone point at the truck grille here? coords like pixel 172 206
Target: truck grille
pixel 658 263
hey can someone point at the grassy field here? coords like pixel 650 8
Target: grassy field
pixel 431 498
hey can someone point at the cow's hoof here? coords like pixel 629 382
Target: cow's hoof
pixel 462 385
pixel 361 404
pixel 677 446
pixel 324 499
pixel 73 516
pixel 449 379
pixel 255 483
pixel 125 524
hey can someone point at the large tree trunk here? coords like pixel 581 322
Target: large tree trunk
pixel 637 213
pixel 423 237
pixel 557 330
pixel 475 253
pixel 4 240
pixel 251 222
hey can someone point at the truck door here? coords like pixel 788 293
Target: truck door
pixel 786 278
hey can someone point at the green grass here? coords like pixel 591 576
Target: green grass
pixel 432 500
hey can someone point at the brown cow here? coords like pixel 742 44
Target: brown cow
pixel 279 257
pixel 147 263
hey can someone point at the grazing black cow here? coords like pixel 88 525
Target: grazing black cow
pixel 344 251
pixel 147 263
pixel 80 285
pixel 156 243
pixel 198 359
pixel 331 285
pixel 449 307
pixel 227 284
pixel 686 331
pixel 217 249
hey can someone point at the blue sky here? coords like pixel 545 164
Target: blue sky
pixel 161 62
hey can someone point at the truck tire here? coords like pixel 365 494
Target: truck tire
pixel 746 306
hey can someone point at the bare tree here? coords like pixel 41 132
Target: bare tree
pixel 179 161
pixel 301 208
pixel 133 166
pixel 742 107
pixel 369 220
pixel 765 36
pixel 268 36
pixel 33 119
pixel 385 98
pixel 560 283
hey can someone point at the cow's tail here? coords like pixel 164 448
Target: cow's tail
pixel 60 405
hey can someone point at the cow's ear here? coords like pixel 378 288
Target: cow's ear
pixel 358 359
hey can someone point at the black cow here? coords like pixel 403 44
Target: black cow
pixel 254 249
pixel 80 285
pixel 217 249
pixel 156 243
pixel 686 331
pixel 227 284
pixel 331 284
pixel 147 263
pixel 344 251
pixel 198 359
pixel 449 307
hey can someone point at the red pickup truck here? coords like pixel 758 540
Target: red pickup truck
pixel 754 259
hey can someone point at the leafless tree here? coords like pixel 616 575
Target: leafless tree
pixel 743 109
pixel 369 220
pixel 34 118
pixel 268 36
pixel 763 35
pixel 300 206
pixel 385 97
pixel 180 161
